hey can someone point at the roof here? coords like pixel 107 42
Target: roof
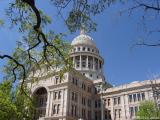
pixel 83 39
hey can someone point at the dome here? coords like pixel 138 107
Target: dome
pixel 83 39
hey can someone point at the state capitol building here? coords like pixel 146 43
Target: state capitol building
pixel 84 94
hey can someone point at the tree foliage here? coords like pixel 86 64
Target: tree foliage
pixel 13 104
pixel 148 110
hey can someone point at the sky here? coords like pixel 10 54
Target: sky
pixel 115 36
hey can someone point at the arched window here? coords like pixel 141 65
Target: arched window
pixel 41 102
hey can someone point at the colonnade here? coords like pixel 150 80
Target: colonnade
pixel 87 62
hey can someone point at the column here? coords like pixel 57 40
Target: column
pixel 98 64
pixel 123 108
pixel 48 102
pixel 87 62
pixel 93 63
pixel 112 108
pixel 80 61
pixel 51 105
pixel 74 62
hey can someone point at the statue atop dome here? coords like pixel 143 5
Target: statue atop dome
pixel 82 31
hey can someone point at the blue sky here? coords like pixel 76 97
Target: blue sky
pixel 114 37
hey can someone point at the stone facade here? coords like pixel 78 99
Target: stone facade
pixel 83 93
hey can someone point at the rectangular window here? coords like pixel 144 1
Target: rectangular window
pixel 55 95
pixel 58 108
pixel 109 102
pixel 115 101
pixel 56 79
pixel 138 97
pixel 59 95
pixel 119 113
pixel 89 115
pixel 109 114
pixel 119 100
pixel 131 112
pixel 75 110
pixel 134 97
pixel 143 96
pixel 54 109
pixel 99 103
pixel 72 96
pixel 95 104
pixel 72 110
pixel 136 109
pixel 130 98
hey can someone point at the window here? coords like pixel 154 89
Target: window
pixel 55 95
pixel 59 95
pixel 100 65
pixel 134 97
pixel 130 98
pixel 119 113
pixel 79 48
pixel 76 82
pixel 109 114
pixel 89 103
pixel 89 115
pixel 89 89
pixel 58 108
pixel 119 100
pixel 90 75
pixel 83 113
pixel 83 86
pixel 84 48
pixel 92 50
pixel 138 97
pixel 115 101
pixel 96 116
pixel 75 110
pixel 109 102
pixel 72 96
pixel 131 112
pixel 136 109
pixel 95 104
pixel 72 110
pixel 99 103
pixel 95 90
pixel 83 64
pixel 88 49
pixel 56 80
pixel 143 96
pixel 83 101
pixel 54 109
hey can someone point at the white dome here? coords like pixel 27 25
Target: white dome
pixel 83 39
